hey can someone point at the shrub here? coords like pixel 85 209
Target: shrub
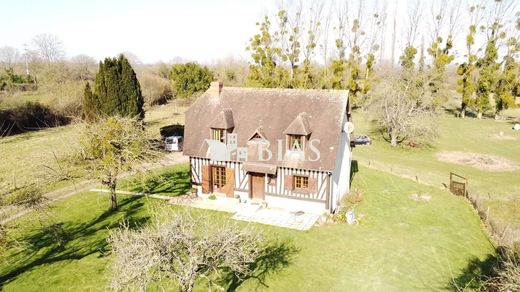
pixel 354 196
pixel 30 116
pixel 507 272
pixel 156 90
pixel 189 79
pixel 212 197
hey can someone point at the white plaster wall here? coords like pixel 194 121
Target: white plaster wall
pixel 341 173
pixel 295 205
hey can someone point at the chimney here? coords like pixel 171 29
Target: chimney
pixel 215 88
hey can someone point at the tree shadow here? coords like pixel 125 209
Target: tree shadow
pixel 64 241
pixel 354 168
pixel 174 183
pixel 274 258
pixel 477 272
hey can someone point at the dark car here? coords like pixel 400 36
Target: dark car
pixel 362 140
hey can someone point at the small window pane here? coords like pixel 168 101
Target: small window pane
pixel 219 176
pixel 301 182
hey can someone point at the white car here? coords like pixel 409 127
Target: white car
pixel 173 143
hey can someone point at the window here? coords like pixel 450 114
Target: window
pixel 296 142
pixel 218 135
pixel 219 176
pixel 301 182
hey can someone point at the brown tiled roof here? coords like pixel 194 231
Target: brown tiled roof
pixel 223 120
pixel 300 126
pixel 320 113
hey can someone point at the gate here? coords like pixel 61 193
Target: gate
pixel 458 184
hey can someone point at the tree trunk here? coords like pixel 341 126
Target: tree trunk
pixel 479 115
pixel 113 197
pixel 463 110
pixel 393 138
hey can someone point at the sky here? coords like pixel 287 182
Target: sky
pixel 153 30
pixel 164 30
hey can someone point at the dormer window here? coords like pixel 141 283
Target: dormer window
pixel 221 125
pixel 298 132
pixel 296 142
pixel 218 135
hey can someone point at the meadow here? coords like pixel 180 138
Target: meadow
pixel 402 244
pixel 496 191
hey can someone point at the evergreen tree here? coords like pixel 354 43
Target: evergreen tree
pixel 116 91
pixel 132 100
pixel 190 78
pixel 90 106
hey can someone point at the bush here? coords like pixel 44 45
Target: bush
pixel 189 79
pixel 354 196
pixel 156 90
pixel 507 272
pixel 66 99
pixel 30 116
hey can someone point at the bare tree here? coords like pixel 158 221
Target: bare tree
pixel 394 33
pixel 383 13
pixel 412 22
pixel 49 47
pixel 403 106
pixel 8 57
pixel 84 67
pixel 183 249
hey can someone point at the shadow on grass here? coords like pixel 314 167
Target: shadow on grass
pixel 174 183
pixel 473 276
pixel 275 257
pixel 477 272
pixel 69 240
pixel 354 168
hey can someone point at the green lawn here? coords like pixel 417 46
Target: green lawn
pixel 499 191
pixel 401 245
pixel 168 181
pixel 26 156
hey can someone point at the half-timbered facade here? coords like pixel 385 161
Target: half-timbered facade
pixel 288 148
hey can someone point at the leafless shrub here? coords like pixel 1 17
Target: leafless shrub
pixel 354 196
pixel 183 249
pixel 507 276
pixel 156 90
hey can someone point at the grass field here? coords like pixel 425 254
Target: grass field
pixel 499 191
pixel 25 156
pixel 401 245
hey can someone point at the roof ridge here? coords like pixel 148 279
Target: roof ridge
pixel 286 89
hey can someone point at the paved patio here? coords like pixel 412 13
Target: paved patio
pixel 254 212
pixel 278 217
pixel 250 211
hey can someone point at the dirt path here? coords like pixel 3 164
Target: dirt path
pixel 86 185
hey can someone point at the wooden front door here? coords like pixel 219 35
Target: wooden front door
pixel 257 185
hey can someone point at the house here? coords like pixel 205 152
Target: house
pixel 286 147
